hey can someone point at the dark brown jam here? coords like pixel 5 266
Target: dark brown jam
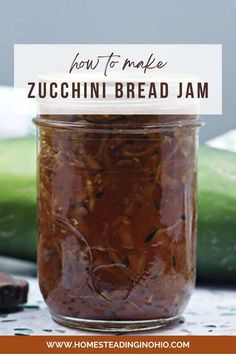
pixel 117 215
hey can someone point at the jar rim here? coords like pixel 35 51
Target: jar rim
pixel 112 127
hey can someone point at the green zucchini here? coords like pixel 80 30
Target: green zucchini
pixel 216 254
pixel 217 207
pixel 18 198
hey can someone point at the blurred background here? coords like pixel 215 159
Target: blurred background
pixel 131 21
pixel 124 21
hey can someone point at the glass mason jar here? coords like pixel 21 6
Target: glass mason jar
pixel 117 218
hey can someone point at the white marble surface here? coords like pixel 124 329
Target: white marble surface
pixel 211 311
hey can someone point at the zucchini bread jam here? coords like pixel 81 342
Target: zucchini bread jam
pixel 117 218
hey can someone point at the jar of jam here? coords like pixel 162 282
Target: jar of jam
pixel 117 218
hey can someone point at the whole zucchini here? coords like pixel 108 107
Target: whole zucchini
pixel 18 198
pixel 217 207
pixel 217 215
